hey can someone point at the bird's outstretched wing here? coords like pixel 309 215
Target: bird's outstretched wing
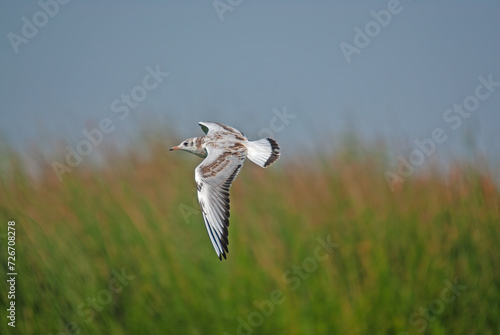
pixel 213 180
pixel 212 127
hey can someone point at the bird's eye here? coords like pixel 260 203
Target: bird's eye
pixel 185 144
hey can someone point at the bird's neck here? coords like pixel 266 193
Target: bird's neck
pixel 199 145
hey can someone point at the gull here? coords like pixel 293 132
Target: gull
pixel 225 150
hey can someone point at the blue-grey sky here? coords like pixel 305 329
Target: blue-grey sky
pixel 252 57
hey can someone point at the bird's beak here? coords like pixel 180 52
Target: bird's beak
pixel 174 148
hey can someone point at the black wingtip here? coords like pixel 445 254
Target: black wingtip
pixel 203 127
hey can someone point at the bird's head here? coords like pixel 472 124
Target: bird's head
pixel 192 145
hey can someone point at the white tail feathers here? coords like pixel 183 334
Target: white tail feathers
pixel 263 152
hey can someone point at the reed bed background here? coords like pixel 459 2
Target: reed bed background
pixel 122 248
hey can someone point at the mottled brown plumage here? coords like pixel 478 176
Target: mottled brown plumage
pixel 225 150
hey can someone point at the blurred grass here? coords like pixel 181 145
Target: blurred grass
pixel 140 216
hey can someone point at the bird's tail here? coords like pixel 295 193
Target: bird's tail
pixel 263 152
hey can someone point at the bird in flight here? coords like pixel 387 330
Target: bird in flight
pixel 225 150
